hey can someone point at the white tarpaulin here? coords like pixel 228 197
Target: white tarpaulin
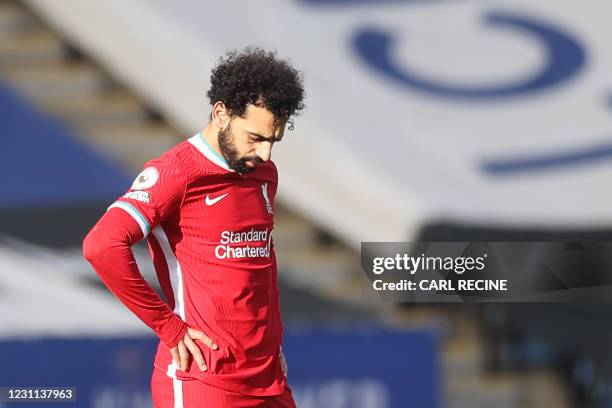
pixel 50 292
pixel 484 112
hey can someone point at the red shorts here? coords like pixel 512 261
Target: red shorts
pixel 170 393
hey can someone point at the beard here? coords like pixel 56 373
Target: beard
pixel 230 153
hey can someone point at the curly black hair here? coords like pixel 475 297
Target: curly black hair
pixel 255 76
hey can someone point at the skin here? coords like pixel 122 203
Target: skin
pixel 187 349
pixel 253 135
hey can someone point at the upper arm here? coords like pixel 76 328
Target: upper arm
pixel 157 192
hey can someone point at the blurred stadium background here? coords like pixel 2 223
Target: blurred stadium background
pixel 426 120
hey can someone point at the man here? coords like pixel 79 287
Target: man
pixel 206 208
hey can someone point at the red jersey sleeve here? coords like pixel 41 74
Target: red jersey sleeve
pixel 157 191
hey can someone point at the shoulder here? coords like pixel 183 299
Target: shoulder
pixel 168 163
pixel 180 153
pixel 187 160
pixel 165 171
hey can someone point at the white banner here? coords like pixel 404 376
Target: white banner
pixel 482 112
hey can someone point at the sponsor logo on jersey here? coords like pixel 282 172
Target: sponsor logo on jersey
pixel 146 179
pixel 143 196
pixel 212 201
pixel 247 244
pixel 264 192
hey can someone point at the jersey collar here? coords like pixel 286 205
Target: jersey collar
pixel 202 145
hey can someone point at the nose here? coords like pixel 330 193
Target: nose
pixel 264 151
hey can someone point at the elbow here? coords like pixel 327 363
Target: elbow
pixel 93 246
pixel 109 239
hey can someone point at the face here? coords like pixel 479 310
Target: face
pixel 246 142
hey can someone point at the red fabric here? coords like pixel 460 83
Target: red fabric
pixel 198 394
pixel 211 245
pixel 108 248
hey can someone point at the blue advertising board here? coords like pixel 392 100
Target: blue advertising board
pixel 334 368
pixel 363 368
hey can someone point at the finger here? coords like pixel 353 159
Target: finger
pixel 198 335
pixel 175 356
pixel 184 354
pixel 196 353
pixel 284 364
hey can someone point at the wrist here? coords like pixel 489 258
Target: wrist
pixel 173 332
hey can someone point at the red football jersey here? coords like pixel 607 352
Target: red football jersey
pixel 209 231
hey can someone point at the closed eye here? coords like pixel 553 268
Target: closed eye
pixel 256 138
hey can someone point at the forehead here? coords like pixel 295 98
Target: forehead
pixel 260 120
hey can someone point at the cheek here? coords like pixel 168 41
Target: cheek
pixel 244 149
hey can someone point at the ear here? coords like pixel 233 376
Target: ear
pixel 220 115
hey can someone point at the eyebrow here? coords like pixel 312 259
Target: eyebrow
pixel 275 139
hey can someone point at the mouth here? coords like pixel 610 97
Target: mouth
pixel 253 162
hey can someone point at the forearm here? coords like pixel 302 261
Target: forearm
pixel 108 248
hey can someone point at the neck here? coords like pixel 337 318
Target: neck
pixel 211 135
